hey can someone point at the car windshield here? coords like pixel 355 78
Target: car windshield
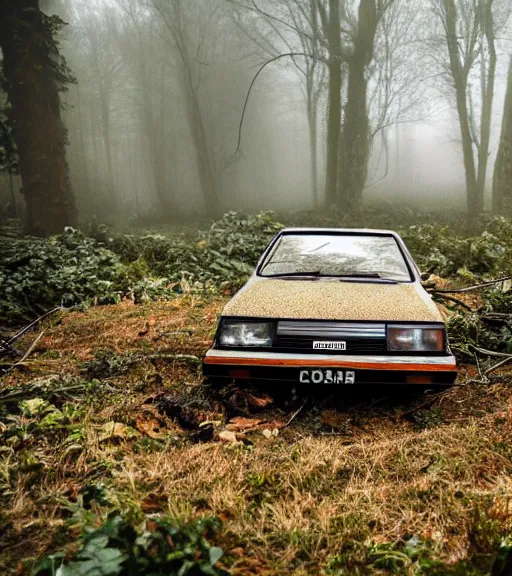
pixel 342 255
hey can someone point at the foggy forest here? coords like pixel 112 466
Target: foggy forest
pixel 162 123
pixel 154 156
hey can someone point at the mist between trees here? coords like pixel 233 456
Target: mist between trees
pixel 186 108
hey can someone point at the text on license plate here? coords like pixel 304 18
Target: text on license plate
pixel 317 376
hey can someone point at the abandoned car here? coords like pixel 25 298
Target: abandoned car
pixel 332 306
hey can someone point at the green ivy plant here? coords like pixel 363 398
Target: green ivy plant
pixel 161 548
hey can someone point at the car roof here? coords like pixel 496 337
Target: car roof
pixel 362 231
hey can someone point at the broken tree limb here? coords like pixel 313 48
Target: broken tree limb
pixel 496 316
pixel 469 288
pixel 25 392
pixel 294 415
pixel 479 368
pixel 456 300
pixel 498 365
pixel 489 352
pixel 176 357
pixel 244 109
pixel 19 334
pixel 30 350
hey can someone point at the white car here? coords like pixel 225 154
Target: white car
pixel 333 306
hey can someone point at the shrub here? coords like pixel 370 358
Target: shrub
pixel 160 548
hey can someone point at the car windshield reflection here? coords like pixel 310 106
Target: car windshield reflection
pixel 337 255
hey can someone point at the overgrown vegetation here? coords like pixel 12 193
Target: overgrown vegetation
pixel 159 547
pixel 106 266
pixel 73 268
pixel 113 460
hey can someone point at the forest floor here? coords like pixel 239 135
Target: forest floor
pixel 372 484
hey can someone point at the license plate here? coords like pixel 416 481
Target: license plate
pixel 318 376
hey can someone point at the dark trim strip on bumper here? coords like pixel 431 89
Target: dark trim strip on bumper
pixel 361 377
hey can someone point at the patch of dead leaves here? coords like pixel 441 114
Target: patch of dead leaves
pixel 334 419
pixel 242 399
pixel 151 423
pixel 116 431
pixel 154 503
pixel 241 424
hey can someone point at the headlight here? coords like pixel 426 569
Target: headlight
pixel 415 339
pixel 246 334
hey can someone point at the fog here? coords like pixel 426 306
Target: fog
pixel 155 114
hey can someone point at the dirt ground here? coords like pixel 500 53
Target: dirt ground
pixel 300 482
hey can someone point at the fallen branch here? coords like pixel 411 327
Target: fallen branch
pixel 6 368
pixel 30 350
pixel 496 317
pixel 498 365
pixel 456 300
pixel 489 352
pixel 24 392
pixel 294 415
pixel 177 357
pixel 19 334
pixel 479 368
pixel 498 314
pixel 469 288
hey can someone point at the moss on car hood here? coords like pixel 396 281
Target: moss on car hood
pixel 333 300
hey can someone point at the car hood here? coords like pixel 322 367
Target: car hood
pixel 333 300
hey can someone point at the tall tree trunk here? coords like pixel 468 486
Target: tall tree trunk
pixel 104 100
pixel 149 124
pixel 207 178
pixel 313 144
pixel 502 184
pixel 159 151
pixel 473 199
pixel 105 131
pixel 133 158
pixel 312 101
pixel 355 151
pixel 94 123
pixel 13 196
pixel 334 101
pixel 28 66
pixel 104 104
pixel 460 81
pixel 81 139
pixel 488 80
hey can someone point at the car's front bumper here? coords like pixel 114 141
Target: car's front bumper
pixel 254 366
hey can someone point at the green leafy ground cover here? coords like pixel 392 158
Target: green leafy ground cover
pixel 106 266
pixel 112 457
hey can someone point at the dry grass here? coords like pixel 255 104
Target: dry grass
pixel 370 471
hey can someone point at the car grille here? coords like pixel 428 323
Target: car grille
pixel 299 336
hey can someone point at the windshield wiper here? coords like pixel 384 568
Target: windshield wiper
pixel 284 274
pixel 342 277
pixel 359 275
pixel 375 275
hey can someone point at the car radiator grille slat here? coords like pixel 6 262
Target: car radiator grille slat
pixel 360 338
